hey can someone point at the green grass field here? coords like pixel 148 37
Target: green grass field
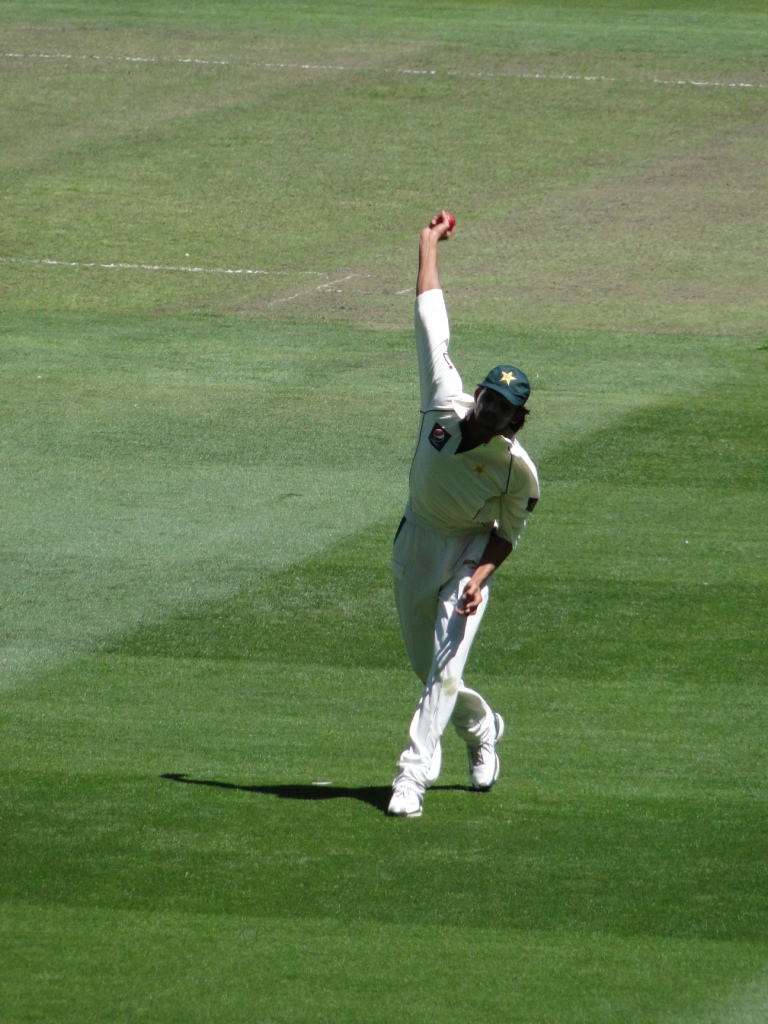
pixel 210 214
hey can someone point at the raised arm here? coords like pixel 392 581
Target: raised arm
pixel 440 227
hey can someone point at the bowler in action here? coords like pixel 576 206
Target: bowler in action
pixel 471 488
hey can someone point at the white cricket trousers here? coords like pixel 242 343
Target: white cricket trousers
pixel 430 570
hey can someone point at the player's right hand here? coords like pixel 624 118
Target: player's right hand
pixel 443 224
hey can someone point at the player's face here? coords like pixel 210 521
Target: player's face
pixel 492 411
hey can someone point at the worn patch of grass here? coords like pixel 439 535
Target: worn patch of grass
pixel 602 198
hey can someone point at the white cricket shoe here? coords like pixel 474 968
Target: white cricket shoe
pixel 484 764
pixel 405 802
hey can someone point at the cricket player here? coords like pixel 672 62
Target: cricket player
pixel 471 487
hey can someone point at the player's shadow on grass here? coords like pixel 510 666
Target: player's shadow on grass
pixel 376 796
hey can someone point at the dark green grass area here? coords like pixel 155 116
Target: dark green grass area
pixel 201 966
pixel 200 736
pixel 683 868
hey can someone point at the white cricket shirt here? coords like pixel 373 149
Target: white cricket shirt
pixel 493 485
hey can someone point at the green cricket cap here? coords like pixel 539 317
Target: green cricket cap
pixel 509 382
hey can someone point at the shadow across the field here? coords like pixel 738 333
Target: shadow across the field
pixel 375 796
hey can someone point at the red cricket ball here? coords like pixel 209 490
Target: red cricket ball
pixel 451 221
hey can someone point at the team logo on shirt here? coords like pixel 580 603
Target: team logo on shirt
pixel 439 437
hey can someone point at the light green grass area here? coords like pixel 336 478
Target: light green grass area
pixel 202 683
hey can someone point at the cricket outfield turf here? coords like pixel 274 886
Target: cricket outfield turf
pixel 209 397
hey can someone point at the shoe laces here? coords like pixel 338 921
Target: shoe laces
pixel 477 754
pixel 403 789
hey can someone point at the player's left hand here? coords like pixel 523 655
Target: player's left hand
pixel 470 600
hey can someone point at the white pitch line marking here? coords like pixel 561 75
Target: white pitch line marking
pixel 320 288
pixel 277 65
pixel 158 266
pixel 332 284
